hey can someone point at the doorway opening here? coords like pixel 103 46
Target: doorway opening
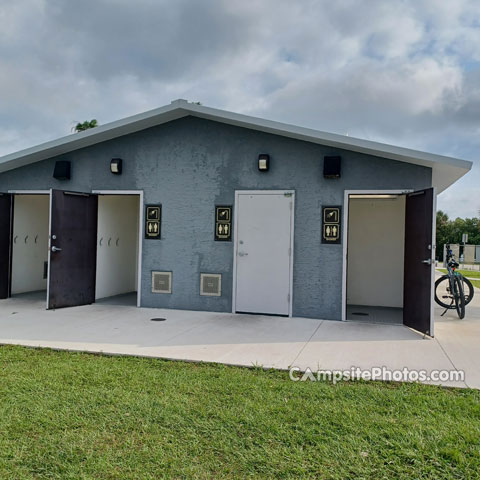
pixel 29 262
pixel 118 246
pixel 375 258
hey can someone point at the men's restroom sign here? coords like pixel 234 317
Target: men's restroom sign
pixel 223 223
pixel 331 218
pixel 153 218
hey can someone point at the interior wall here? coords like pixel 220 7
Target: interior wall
pixel 376 231
pixel 30 242
pixel 117 245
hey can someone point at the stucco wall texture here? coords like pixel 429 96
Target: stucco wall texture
pixel 190 165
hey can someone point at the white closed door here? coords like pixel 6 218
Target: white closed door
pixel 263 252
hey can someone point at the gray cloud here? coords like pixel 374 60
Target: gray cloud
pixel 405 73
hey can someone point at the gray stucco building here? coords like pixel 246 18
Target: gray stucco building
pixel 185 165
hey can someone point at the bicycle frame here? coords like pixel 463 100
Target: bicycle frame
pixel 451 273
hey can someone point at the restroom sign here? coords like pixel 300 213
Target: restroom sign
pixel 153 219
pixel 223 223
pixel 331 219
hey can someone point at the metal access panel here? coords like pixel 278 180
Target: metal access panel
pixel 161 282
pixel 211 284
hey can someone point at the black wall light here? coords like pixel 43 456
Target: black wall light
pixel 116 166
pixel 62 170
pixel 263 162
pixel 332 167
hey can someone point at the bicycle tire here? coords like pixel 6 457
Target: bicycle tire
pixel 471 290
pixel 459 297
pixel 468 291
pixel 439 289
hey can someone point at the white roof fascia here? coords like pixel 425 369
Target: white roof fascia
pixel 91 136
pixel 445 170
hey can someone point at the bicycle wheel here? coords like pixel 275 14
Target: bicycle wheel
pixel 459 297
pixel 443 294
pixel 468 289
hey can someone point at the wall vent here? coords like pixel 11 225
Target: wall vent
pixel 211 284
pixel 161 282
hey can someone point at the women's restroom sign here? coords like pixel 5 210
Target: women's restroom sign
pixel 331 218
pixel 223 223
pixel 153 219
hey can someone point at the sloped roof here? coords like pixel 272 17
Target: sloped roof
pixel 445 170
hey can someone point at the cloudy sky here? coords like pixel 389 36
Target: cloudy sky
pixel 400 72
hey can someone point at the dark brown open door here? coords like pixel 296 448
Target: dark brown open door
pixel 73 249
pixel 419 260
pixel 5 243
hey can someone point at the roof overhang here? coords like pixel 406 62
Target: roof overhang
pixel 445 170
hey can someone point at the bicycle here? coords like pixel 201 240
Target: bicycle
pixel 453 287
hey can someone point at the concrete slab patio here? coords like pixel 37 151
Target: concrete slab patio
pixel 271 342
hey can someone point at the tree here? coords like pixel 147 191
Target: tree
pixel 81 127
pixel 451 231
pixel 444 232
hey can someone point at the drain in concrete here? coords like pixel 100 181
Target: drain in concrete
pixel 157 319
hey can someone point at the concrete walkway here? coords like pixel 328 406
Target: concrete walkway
pixel 247 339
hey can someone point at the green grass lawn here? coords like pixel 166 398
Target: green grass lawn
pixel 78 416
pixel 466 273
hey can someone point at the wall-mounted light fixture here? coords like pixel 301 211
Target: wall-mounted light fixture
pixel 116 166
pixel 263 162
pixel 62 170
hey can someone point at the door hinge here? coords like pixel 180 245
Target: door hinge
pixel 288 298
pixel 289 251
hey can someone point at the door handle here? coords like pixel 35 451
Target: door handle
pixel 428 261
pixel 56 249
pixel 242 254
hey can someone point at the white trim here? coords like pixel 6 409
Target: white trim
pixel 30 192
pixel 49 245
pixel 292 249
pixel 235 241
pixel 140 231
pixel 140 248
pixel 344 254
pixel 347 194
pixel 10 248
pixel 117 192
pixel 235 238
pixel 380 192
